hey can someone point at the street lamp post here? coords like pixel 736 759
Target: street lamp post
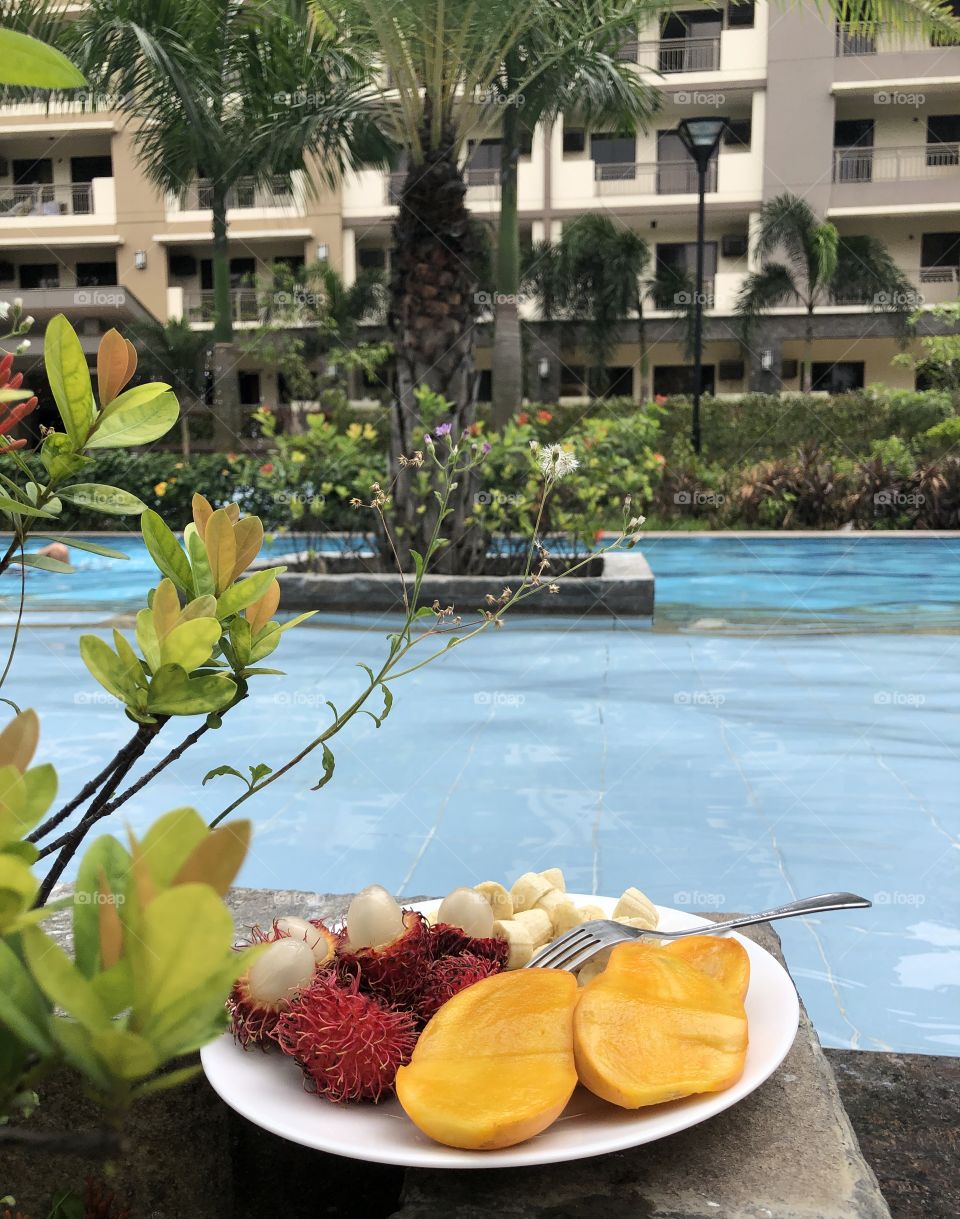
pixel 700 137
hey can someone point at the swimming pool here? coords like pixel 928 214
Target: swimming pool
pixel 788 726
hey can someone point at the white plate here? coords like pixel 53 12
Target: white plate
pixel 268 1090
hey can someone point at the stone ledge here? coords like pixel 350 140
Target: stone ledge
pixel 625 588
pixel 786 1152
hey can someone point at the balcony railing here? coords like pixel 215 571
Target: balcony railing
pixel 659 178
pixel 244 303
pixel 36 199
pixel 879 37
pixel 896 164
pixel 671 55
pixel 939 284
pixel 246 195
pixel 483 183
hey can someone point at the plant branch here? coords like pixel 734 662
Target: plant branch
pixel 101 1144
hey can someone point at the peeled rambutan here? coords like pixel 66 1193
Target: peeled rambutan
pixel 348 1044
pixel 447 941
pixel 386 950
pixel 322 942
pixel 448 975
pixel 265 991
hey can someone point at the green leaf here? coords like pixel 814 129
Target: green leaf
pixel 125 1054
pixel 102 498
pixel 217 857
pixel 260 771
pixel 238 596
pixel 60 457
pixel 172 1079
pixel 106 858
pixel 328 768
pixel 11 506
pixel 387 701
pixel 109 670
pixel 114 987
pixel 169 841
pixel 40 783
pixel 81 544
pixel 23 1008
pixel 203 584
pixel 74 1042
pixel 28 61
pixel 191 643
pixel 61 981
pixel 219 771
pixel 172 692
pixel 165 550
pixel 417 562
pixel 43 562
pixel 139 416
pixel 18 888
pixel 69 378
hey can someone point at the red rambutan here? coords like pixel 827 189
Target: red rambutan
pixel 348 1045
pixel 385 949
pixel 448 975
pixel 261 994
pixel 447 941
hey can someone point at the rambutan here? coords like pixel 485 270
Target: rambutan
pixel 385 950
pixel 447 941
pixel 348 1044
pixel 448 975
pixel 260 995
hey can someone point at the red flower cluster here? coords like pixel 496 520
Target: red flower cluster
pixel 544 416
pixel 12 413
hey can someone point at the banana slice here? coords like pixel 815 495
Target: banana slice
pixel 592 968
pixel 519 938
pixel 634 904
pixel 539 924
pixel 499 899
pixel 565 917
pixel 586 913
pixel 554 877
pixel 643 923
pixel 553 902
pixel 527 891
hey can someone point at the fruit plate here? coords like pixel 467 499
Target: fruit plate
pixel 267 1089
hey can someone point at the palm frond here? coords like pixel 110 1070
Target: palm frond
pixel 764 290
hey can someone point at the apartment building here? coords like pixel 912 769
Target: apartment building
pixel 865 126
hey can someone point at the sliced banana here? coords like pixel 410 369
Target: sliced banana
pixel 539 924
pixel 587 913
pixel 565 917
pixel 553 902
pixel 500 900
pixel 636 905
pixel 527 891
pixel 594 967
pixel 519 939
pixel 554 876
pixel 642 923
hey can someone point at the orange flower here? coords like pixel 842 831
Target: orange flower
pixel 474 429
pixel 659 458
pixel 523 418
pixel 543 416
pixel 11 414
pixel 267 467
pixel 660 399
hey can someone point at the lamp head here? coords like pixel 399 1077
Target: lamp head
pixel 701 136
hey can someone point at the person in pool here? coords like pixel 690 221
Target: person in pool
pixel 55 550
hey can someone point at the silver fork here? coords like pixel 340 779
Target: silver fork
pixel 575 948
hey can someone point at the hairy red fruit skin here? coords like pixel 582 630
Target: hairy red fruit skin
pixel 447 941
pixel 394 973
pixel 348 1044
pixel 448 975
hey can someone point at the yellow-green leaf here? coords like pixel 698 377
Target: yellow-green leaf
pixel 238 596
pixel 114 501
pixel 124 1053
pixel 216 859
pixel 107 667
pixel 141 415
pixel 61 981
pixel 23 1008
pixel 69 378
pixel 248 536
pixel 18 741
pixel 190 644
pixel 165 550
pixel 172 692
pixel 104 869
pixel 170 841
pixel 221 549
pixel 28 61
pixel 262 610
pixel 166 608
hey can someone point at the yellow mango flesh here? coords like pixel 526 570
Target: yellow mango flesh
pixel 651 1028
pixel 724 959
pixel 495 1065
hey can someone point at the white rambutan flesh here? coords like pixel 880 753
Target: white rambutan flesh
pixel 284 968
pixel 468 910
pixel 374 919
pixel 321 942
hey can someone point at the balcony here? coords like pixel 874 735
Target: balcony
pixel 672 55
pixel 939 285
pixel 248 195
pixel 199 307
pixel 482 184
pixel 40 199
pixel 917 174
pixel 881 38
pixel 658 178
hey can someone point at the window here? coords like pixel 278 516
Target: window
pixel 485 385
pixel 676 270
pixel 690 41
pixel 620 381
pixel 611 149
pixel 943 139
pixel 85 169
pixel 737 133
pixel 249 387
pixel 838 378
pixel 96 274
pixel 670 379
pixel 242 272
pixel 32 173
pixel 371 258
pixel 484 155
pixel 574 140
pixel 676 171
pixel 293 262
pixel 740 15
pixel 940 250
pixel 573 381
pixel 853 155
pixel 39 275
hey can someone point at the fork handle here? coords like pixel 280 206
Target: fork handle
pixel 807 905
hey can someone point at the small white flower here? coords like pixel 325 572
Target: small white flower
pixel 23 347
pixel 28 320
pixel 555 462
pixel 636 522
pixel 4 309
pixel 534 446
pixel 18 302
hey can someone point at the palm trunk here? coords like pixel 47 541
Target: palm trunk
pixel 433 311
pixel 507 348
pixel 644 354
pixel 226 396
pixel 807 385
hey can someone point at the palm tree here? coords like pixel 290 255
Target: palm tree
pixel 571 65
pixel 230 90
pixel 820 268
pixel 174 352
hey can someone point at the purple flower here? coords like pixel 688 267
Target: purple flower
pixel 486 446
pixel 444 429
pixel 427 438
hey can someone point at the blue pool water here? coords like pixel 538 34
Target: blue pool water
pixel 788 726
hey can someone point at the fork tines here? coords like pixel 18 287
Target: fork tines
pixel 571 950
